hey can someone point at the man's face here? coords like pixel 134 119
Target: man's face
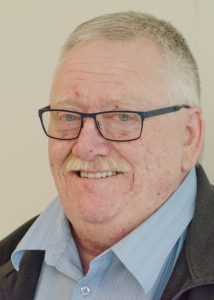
pixel 116 75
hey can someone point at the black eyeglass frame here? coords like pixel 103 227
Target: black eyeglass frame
pixel 142 114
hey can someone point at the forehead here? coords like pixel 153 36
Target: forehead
pixel 110 70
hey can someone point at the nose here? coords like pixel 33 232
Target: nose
pixel 90 143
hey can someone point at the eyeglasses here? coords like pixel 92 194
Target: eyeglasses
pixel 118 126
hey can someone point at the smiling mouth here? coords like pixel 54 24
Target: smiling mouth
pixel 95 175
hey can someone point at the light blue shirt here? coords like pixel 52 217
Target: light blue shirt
pixel 137 267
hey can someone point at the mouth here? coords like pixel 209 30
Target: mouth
pixel 95 175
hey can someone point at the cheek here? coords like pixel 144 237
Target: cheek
pixel 58 151
pixel 158 154
pixel 163 141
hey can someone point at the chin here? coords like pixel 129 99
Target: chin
pixel 91 209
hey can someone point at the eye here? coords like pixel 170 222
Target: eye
pixel 70 117
pixel 67 117
pixel 123 117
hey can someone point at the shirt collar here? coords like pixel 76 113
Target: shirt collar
pixel 50 230
pixel 145 250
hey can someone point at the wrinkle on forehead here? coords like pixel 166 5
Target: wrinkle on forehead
pixel 120 69
pixel 112 57
pixel 75 78
pixel 66 100
pixel 101 69
pixel 106 65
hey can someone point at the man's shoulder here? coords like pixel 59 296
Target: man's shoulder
pixel 9 243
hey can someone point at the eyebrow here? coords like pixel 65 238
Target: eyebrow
pixel 60 99
pixel 66 99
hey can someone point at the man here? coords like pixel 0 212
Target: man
pixel 134 216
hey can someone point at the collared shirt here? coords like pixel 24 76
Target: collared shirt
pixel 137 267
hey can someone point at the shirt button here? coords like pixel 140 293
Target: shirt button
pixel 85 290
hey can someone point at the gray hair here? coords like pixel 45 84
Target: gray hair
pixel 180 72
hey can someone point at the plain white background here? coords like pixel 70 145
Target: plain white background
pixel 32 33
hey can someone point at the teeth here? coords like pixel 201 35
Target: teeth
pixel 96 175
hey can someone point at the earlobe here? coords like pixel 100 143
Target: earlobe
pixel 193 138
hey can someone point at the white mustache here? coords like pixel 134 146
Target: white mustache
pixel 99 164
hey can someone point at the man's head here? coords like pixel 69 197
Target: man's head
pixel 129 62
pixel 180 68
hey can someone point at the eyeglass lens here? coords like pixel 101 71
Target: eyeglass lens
pixel 117 126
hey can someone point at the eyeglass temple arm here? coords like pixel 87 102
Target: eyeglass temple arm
pixel 161 111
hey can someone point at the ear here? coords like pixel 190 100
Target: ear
pixel 193 137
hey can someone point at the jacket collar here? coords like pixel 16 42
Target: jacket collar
pixel 200 245
pixel 195 264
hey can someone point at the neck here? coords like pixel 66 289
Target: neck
pixel 95 239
